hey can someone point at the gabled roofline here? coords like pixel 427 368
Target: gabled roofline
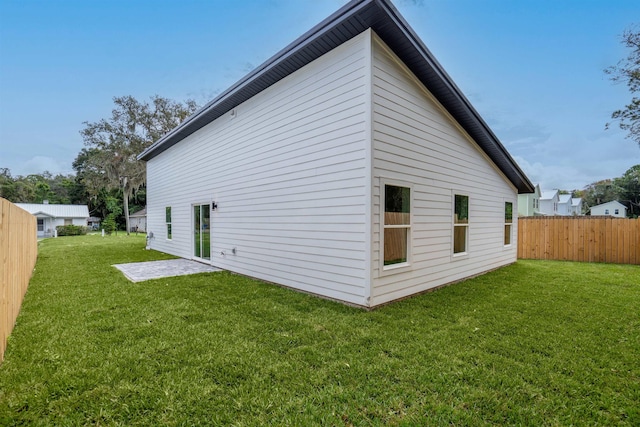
pixel 43 213
pixel 609 202
pixel 350 20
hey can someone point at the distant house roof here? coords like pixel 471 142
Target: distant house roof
pixel 575 201
pixel 610 204
pixel 141 213
pixel 349 21
pixel 56 211
pixel 548 195
pixel 565 198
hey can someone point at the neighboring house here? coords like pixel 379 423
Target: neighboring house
pixel 50 216
pixel 565 205
pixel 349 165
pixel 576 206
pixel 138 220
pixel 529 203
pixel 549 202
pixel 613 208
pixel 93 223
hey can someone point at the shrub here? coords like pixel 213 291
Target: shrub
pixel 71 230
pixel 109 224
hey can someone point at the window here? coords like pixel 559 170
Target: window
pixel 606 211
pixel 397 224
pixel 460 224
pixel 40 224
pixel 168 220
pixel 68 221
pixel 616 212
pixel 508 221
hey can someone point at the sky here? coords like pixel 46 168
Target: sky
pixel 532 69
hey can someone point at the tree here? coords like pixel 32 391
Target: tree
pixel 599 192
pixel 7 185
pixel 35 188
pixel 628 71
pixel 109 224
pixel 628 190
pixel 109 161
pixel 20 189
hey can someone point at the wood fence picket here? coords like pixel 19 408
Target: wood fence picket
pixel 580 238
pixel 18 253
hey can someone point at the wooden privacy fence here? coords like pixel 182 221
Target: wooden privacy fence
pixel 18 253
pixel 580 238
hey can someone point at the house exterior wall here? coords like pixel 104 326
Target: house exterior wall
pixel 50 224
pixel 288 172
pixel 528 204
pixel 565 207
pixel 549 206
pixel 138 223
pixel 417 143
pixel 609 209
pixel 525 204
pixel 576 206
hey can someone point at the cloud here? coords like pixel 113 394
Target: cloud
pixel 552 176
pixel 40 164
pixel 566 174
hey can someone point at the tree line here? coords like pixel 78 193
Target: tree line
pixel 108 177
pixel 625 189
pixel 111 181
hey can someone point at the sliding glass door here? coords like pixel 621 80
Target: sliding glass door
pixel 201 231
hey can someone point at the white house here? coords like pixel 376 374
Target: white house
pixel 613 208
pixel 349 165
pixel 50 216
pixel 565 205
pixel 549 202
pixel 576 206
pixel 93 222
pixel 138 220
pixel 529 203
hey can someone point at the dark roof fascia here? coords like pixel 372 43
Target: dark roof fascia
pixel 352 19
pixel 220 105
pixel 452 98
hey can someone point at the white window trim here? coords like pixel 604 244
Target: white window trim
pixel 405 266
pixel 504 211
pixel 465 254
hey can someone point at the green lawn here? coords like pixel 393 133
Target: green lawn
pixel 536 343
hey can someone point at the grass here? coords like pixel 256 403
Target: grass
pixel 535 343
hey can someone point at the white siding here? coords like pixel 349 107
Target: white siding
pixel 290 178
pixel 609 208
pixel 416 141
pixel 525 204
pixel 549 205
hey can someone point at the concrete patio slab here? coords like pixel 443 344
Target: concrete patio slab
pixel 141 271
